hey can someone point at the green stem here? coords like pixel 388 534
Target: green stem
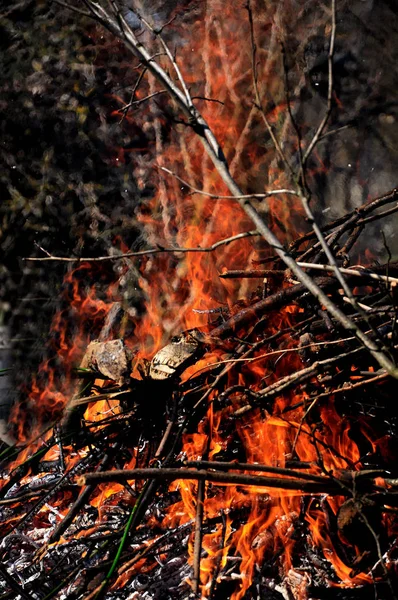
pixel 123 540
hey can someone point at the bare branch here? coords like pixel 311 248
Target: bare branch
pixel 148 252
pixel 200 498
pixel 221 197
pixel 157 33
pixel 328 111
pixel 258 102
pixel 329 486
pixel 121 29
pixel 140 101
pixel 79 11
pixel 359 272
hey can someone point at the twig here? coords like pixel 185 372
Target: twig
pixel 219 557
pixel 58 485
pixel 352 238
pixel 158 543
pixel 362 272
pixel 280 298
pixel 354 218
pixel 140 101
pixel 132 521
pixel 328 111
pixel 258 102
pixel 23 497
pixel 208 99
pixel 305 198
pixel 148 252
pixel 79 11
pixel 14 585
pixel 246 359
pixel 334 131
pixel 348 387
pixel 252 274
pixel 164 440
pixel 198 537
pixel 167 474
pixel 157 33
pixel 224 371
pixel 76 506
pixel 292 119
pixel 96 397
pixel 195 190
pixel 237 466
pixel 125 109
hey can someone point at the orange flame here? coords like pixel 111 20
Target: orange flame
pixel 175 285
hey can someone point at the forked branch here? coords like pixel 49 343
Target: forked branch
pixel 113 19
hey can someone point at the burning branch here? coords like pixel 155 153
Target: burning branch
pixel 295 483
pixel 115 22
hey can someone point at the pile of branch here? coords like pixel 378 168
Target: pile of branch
pixel 85 513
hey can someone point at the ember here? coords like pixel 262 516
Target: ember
pixel 237 437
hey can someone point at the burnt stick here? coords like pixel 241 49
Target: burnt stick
pixel 166 474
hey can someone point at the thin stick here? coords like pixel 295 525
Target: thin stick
pixel 81 500
pixel 157 33
pixel 353 219
pixel 292 119
pixel 303 191
pixel 195 190
pixel 237 466
pixel 219 557
pixel 328 111
pixel 258 103
pixel 148 252
pixel 198 536
pixel 361 272
pixel 252 274
pixel 125 108
pixel 246 359
pixel 79 11
pixel 14 585
pixel 167 474
pixel 155 545
pixel 95 398
pixel 281 298
pixel 140 101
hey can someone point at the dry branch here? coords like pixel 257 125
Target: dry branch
pixel 169 474
pixel 115 22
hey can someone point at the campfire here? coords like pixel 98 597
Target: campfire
pixel 234 433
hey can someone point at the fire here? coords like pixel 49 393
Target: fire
pixel 181 290
pixel 83 314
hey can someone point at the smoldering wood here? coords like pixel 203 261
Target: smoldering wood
pixel 174 358
pixel 112 359
pixel 214 473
